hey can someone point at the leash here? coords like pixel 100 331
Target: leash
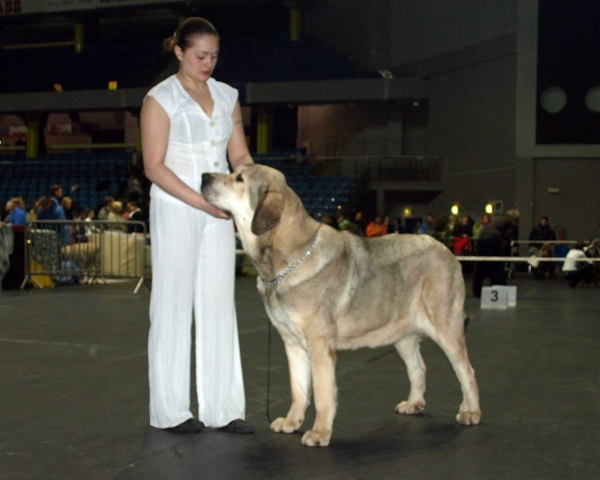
pixel 269 370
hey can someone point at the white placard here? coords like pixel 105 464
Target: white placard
pixel 494 298
pixel 512 294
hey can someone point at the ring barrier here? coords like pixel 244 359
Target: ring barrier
pixel 71 251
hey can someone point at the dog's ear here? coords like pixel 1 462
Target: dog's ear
pixel 267 206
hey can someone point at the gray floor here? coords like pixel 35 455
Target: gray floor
pixel 74 396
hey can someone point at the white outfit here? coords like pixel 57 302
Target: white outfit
pixel 573 256
pixel 193 263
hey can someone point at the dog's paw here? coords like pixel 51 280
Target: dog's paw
pixel 316 438
pixel 407 408
pixel 468 418
pixel 283 425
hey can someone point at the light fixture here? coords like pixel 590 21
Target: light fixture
pixel 58 87
pixel 489 208
pixel 112 85
pixel 407 212
pixel 454 210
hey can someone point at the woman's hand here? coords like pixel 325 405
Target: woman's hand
pixel 202 204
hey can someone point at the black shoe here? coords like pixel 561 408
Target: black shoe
pixel 238 426
pixel 189 426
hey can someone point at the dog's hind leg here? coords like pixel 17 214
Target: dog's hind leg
pixel 323 359
pixel 409 350
pixel 455 348
pixel 300 382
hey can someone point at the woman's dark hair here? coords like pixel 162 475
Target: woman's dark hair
pixel 190 28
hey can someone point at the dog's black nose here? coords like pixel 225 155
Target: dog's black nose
pixel 207 178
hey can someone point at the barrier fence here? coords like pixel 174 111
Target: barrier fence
pixel 71 251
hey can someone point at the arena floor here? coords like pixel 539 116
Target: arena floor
pixel 74 396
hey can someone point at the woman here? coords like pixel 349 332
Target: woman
pixel 190 123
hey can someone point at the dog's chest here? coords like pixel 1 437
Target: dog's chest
pixel 285 317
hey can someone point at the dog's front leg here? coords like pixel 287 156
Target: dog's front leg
pixel 300 382
pixel 323 359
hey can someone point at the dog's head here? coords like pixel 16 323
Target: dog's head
pixel 253 194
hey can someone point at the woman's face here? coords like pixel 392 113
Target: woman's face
pixel 200 58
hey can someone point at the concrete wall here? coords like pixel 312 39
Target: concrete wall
pixel 472 123
pixel 426 28
pixel 576 207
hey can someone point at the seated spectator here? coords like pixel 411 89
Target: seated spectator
pixel 428 226
pixel 578 266
pixel 116 215
pixel 16 212
pixel 542 233
pixel 105 210
pixel 376 228
pixel 543 268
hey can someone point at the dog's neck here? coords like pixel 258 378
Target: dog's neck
pixel 284 244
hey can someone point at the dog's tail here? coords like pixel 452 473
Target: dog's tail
pixel 467 319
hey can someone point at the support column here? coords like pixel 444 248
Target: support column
pixel 295 23
pixel 32 149
pixel 381 202
pixel 525 183
pixel 264 133
pixel 79 37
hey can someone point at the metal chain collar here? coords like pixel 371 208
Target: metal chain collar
pixel 292 266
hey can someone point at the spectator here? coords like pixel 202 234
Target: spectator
pixel 542 268
pixel 428 226
pixel 494 240
pixel 462 233
pixel 360 223
pixel 135 214
pixel 50 209
pixel 578 266
pixel 105 210
pixel 542 233
pixel 16 212
pixel 56 193
pixel 483 220
pixel 67 205
pixel 343 223
pixel 116 215
pixel 376 228
pixel 396 226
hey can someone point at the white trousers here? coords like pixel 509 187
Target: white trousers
pixel 193 274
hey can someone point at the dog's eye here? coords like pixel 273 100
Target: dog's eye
pixel 239 178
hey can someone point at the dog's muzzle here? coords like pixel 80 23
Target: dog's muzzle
pixel 207 179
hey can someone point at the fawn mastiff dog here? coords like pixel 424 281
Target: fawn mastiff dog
pixel 326 290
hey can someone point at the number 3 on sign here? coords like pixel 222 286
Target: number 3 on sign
pixel 494 298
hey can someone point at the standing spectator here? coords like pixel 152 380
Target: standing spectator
pixel 428 226
pixel 359 221
pixel 376 228
pixel 578 266
pixel 67 205
pixel 135 214
pixel 494 241
pixel 396 226
pixel 105 210
pixel 50 209
pixel 542 233
pixel 462 233
pixel 16 212
pixel 190 124
pixel 343 223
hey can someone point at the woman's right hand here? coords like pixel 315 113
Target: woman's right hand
pixel 202 204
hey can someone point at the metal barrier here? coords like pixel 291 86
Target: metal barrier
pixel 66 251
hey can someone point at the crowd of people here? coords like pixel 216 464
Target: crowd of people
pixel 489 235
pixel 57 206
